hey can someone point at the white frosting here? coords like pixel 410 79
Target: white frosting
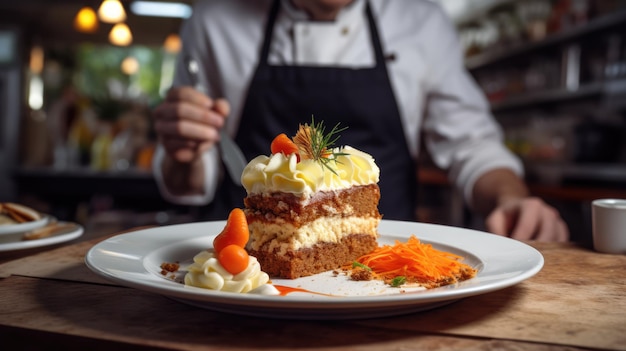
pixel 206 272
pixel 280 173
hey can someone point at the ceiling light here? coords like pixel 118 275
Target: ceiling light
pixel 130 65
pixel 35 87
pixel 86 20
pixel 36 59
pixel 111 11
pixel 172 43
pixel 160 9
pixel 35 92
pixel 120 35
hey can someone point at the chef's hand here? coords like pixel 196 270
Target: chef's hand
pixel 187 123
pixel 527 218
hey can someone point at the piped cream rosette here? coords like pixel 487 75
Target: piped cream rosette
pixel 206 272
pixel 280 173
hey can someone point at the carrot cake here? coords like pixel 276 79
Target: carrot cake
pixel 311 207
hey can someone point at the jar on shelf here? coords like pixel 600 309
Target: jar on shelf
pixel 101 148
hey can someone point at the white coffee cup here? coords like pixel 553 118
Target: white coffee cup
pixel 608 217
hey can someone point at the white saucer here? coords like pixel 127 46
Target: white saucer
pixel 26 226
pixel 15 242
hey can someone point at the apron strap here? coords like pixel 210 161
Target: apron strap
pixel 269 30
pixel 378 48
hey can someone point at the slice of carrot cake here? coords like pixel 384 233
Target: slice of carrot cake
pixel 311 207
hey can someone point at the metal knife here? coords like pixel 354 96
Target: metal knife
pixel 231 154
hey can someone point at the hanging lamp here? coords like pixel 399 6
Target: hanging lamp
pixel 120 35
pixel 111 11
pixel 86 20
pixel 172 43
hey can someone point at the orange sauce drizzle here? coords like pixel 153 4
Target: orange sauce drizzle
pixel 286 290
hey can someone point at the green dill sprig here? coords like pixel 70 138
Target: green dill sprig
pixel 314 143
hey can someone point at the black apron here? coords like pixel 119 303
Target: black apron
pixel 280 98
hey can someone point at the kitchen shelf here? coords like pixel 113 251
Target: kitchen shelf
pixel 85 181
pixel 492 56
pixel 578 183
pixel 601 173
pixel 66 189
pixel 612 88
pixel 547 97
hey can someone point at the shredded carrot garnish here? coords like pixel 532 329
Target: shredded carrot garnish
pixel 417 262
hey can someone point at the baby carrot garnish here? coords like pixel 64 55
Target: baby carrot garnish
pixel 233 258
pixel 229 244
pixel 282 143
pixel 234 233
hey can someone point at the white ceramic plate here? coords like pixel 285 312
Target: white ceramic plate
pixel 134 259
pixel 15 242
pixel 7 229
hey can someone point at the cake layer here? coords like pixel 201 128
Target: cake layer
pixel 319 258
pixel 296 210
pixel 281 237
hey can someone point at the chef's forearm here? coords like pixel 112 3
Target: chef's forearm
pixel 495 188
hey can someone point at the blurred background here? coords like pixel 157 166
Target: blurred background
pixel 77 85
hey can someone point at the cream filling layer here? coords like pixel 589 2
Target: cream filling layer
pixel 284 236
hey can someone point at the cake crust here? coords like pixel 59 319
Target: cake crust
pixel 319 258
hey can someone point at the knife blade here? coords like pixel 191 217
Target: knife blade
pixel 231 154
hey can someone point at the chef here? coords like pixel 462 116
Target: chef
pixel 390 71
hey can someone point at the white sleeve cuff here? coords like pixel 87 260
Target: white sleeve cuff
pixel 210 160
pixel 474 168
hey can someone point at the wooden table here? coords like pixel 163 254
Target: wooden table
pixel 51 300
